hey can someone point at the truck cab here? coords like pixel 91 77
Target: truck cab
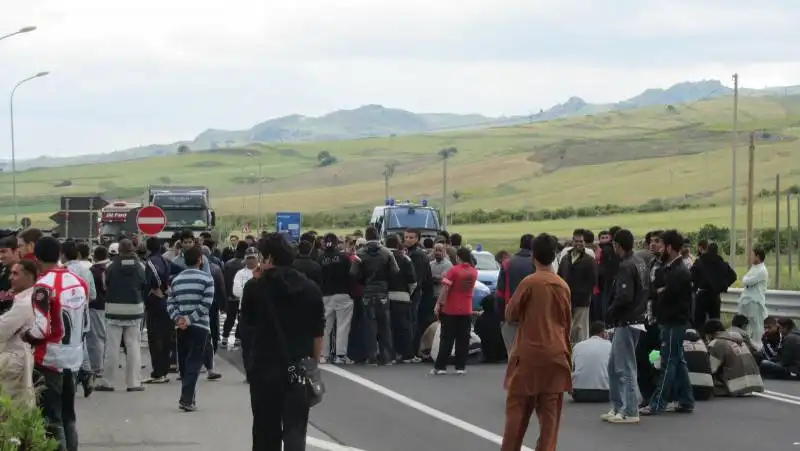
pixel 186 207
pixel 394 218
pixel 116 218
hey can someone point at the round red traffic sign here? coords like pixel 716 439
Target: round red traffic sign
pixel 151 220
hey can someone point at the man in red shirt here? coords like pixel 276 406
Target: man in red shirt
pixel 454 309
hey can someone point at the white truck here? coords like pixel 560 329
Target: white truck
pixel 186 207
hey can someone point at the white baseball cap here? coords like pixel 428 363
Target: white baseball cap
pixel 113 248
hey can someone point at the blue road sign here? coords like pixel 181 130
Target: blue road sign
pixel 289 223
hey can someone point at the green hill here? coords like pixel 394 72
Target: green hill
pixel 624 157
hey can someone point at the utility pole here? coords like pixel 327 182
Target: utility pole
pixel 777 231
pixel 734 139
pixel 751 162
pixel 260 193
pixel 789 229
pixel 66 216
pixel 444 193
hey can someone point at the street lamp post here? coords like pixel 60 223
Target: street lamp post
pixel 20 31
pixel 13 147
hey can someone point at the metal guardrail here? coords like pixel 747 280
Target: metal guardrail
pixel 779 302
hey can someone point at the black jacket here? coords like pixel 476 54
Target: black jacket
pixel 310 268
pixel 518 267
pixel 296 301
pixel 790 351
pixel 335 266
pixel 376 266
pixel 673 304
pixel 422 268
pixel 99 275
pixel 628 303
pixel 220 293
pixel 581 277
pixel 229 270
pixel 157 270
pixel 713 274
pixel 400 282
pixel 607 269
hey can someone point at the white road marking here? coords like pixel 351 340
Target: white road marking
pixel 780 398
pixel 782 395
pixel 402 399
pixel 328 446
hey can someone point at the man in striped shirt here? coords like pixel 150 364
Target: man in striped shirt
pixel 188 305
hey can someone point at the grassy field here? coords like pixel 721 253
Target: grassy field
pixel 625 158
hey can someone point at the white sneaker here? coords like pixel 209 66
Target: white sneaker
pixel 461 372
pixel 438 372
pixel 622 419
pixel 339 360
pixel 608 415
pixel 323 360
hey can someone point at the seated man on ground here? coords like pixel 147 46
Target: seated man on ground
pixel 487 327
pixel 787 364
pixel 733 366
pixel 590 366
pixel 771 340
pixel 739 325
pixel 699 364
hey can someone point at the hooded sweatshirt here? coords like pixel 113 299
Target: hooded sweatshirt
pixel 287 297
pixel 374 267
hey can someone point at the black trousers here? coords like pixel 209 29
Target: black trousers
pixel 378 322
pixel 231 312
pixel 57 402
pixel 402 330
pixel 454 330
pixel 280 413
pixel 214 318
pixel 647 375
pixel 707 305
pixel 160 337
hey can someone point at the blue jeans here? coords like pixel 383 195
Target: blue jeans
pixel 192 343
pixel 674 383
pixel 622 385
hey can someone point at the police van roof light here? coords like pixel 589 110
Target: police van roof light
pixel 391 201
pixel 387 202
pixel 424 202
pixel 478 247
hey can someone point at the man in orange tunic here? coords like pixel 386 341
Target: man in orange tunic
pixel 539 370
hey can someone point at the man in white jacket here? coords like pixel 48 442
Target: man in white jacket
pixel 245 274
pixel 753 301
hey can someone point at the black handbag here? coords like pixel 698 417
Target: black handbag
pixel 303 374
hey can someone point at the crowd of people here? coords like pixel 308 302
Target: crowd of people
pixel 602 321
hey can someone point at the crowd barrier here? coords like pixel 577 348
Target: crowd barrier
pixel 779 302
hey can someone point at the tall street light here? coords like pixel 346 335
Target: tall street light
pixel 13 148
pixel 20 31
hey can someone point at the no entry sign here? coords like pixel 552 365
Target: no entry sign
pixel 151 220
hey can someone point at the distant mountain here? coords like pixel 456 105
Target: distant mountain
pixel 376 120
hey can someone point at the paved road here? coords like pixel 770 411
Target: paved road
pixel 151 421
pixel 401 408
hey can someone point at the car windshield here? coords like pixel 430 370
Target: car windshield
pixel 411 218
pixel 186 217
pixel 485 262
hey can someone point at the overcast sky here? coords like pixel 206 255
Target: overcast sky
pixel 128 73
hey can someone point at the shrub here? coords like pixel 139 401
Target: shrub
pixel 22 427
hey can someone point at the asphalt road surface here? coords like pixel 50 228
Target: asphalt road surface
pixel 402 408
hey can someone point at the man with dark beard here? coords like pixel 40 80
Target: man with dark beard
pixel 8 257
